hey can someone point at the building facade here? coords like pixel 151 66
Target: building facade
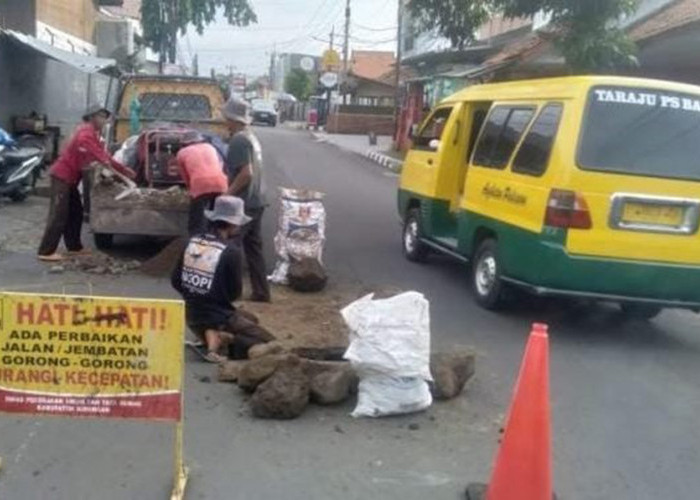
pixel 48 62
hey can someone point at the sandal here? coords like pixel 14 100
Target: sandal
pixel 54 257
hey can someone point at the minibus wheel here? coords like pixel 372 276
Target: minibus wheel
pixel 640 311
pixel 486 276
pixel 413 248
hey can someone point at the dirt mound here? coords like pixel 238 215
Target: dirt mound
pixel 162 265
pixel 97 263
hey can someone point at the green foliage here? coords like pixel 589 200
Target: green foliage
pixel 298 84
pixel 456 20
pixel 584 31
pixel 163 19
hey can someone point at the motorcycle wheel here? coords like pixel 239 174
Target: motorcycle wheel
pixel 18 196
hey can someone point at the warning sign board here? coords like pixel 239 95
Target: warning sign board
pixel 91 357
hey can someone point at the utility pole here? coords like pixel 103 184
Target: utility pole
pixel 397 81
pixel 346 48
pixel 332 36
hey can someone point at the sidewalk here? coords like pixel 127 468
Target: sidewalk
pixel 381 153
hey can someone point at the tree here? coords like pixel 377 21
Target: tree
pixel 298 83
pixel 583 30
pixel 456 20
pixel 163 19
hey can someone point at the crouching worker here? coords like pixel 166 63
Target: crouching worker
pixel 208 276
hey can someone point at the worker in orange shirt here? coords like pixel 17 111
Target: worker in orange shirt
pixel 202 170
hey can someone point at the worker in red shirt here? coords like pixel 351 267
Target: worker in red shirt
pixel 203 172
pixel 66 208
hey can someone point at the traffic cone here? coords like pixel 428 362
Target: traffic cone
pixel 523 468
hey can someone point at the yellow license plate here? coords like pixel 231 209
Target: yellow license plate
pixel 657 215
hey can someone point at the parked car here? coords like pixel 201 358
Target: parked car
pixel 264 112
pixel 582 186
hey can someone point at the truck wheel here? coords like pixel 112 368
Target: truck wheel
pixel 640 311
pixel 413 248
pixel 104 241
pixel 486 276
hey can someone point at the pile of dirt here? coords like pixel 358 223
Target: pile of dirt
pixel 301 320
pixel 162 265
pixel 97 263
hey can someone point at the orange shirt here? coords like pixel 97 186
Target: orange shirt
pixel 202 170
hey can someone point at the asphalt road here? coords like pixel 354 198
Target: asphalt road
pixel 625 395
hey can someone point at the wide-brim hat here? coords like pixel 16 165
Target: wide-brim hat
pixel 93 109
pixel 230 209
pixel 237 110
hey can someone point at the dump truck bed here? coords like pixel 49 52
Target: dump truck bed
pixel 147 211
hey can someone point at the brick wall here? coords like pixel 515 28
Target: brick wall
pixel 360 123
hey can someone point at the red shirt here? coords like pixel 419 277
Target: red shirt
pixel 202 170
pixel 83 149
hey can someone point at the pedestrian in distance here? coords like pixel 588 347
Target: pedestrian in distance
pixel 203 172
pixel 65 219
pixel 209 278
pixel 244 166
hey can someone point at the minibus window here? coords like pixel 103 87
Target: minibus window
pixel 433 129
pixel 477 122
pixel 638 131
pixel 504 127
pixel 533 156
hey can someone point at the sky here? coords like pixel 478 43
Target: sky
pixel 290 26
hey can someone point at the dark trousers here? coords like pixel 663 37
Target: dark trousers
pixel 246 333
pixel 197 223
pixel 65 218
pixel 251 236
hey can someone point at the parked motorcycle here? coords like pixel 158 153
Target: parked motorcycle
pixel 20 167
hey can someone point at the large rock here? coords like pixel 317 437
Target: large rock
pixel 332 386
pixel 285 394
pixel 451 370
pixel 267 349
pixel 229 371
pixel 307 275
pixel 256 371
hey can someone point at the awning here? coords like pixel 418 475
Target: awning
pixel 84 63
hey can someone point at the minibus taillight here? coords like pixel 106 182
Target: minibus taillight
pixel 567 209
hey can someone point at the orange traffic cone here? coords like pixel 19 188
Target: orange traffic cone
pixel 523 468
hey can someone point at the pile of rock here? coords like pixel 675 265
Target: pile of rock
pixel 283 382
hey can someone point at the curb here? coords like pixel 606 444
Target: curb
pixel 380 159
pixel 384 160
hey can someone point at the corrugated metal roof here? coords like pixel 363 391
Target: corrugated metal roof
pixel 85 63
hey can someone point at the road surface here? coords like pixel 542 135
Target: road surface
pixel 625 395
